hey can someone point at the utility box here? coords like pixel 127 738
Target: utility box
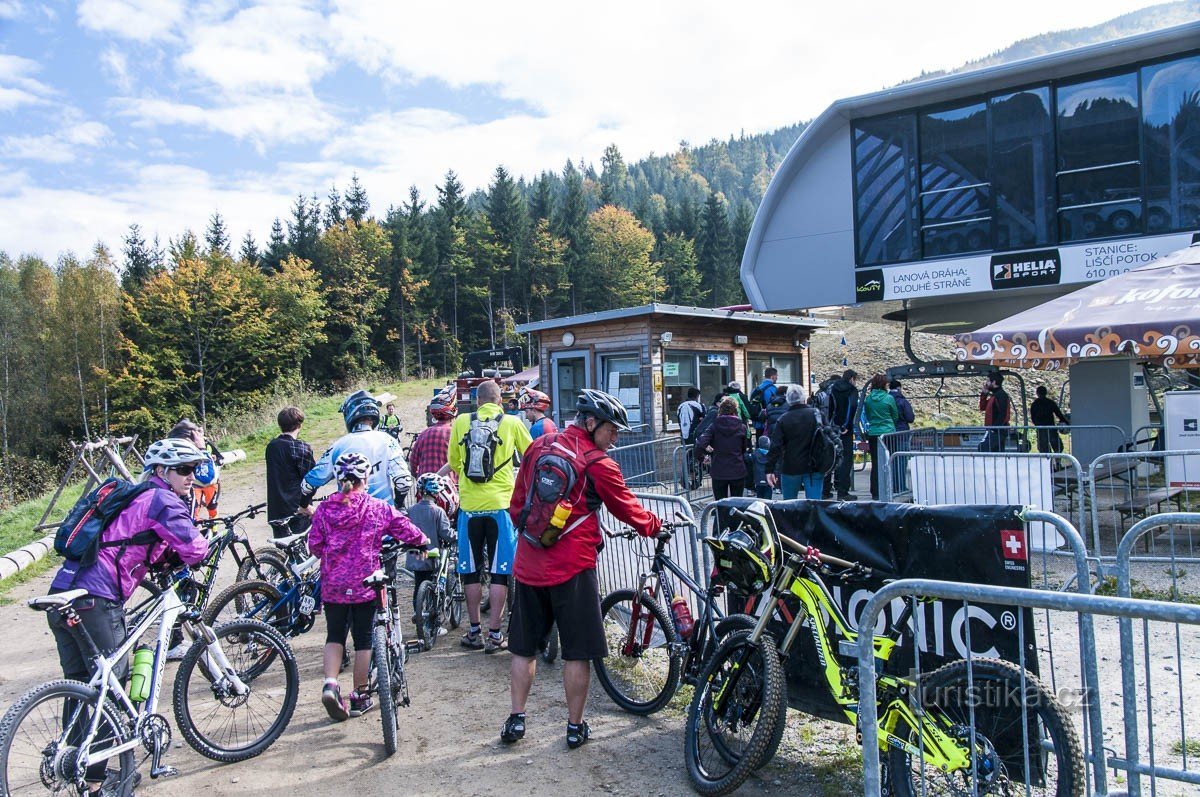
pixel 1106 391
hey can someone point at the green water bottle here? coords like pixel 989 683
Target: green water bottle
pixel 139 679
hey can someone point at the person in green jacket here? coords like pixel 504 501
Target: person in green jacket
pixel 880 412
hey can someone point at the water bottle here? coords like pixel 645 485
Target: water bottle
pixel 139 679
pixel 683 616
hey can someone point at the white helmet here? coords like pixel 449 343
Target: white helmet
pixel 171 452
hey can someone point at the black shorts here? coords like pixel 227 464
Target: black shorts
pixel 358 618
pixel 574 605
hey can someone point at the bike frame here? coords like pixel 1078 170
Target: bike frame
pixel 167 609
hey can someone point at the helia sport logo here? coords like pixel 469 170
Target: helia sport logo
pixel 1026 269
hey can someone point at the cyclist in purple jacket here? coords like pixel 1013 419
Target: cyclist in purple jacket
pixel 110 581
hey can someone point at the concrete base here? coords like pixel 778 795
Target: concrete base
pixel 16 561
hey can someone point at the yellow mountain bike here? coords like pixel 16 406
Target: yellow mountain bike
pixel 981 727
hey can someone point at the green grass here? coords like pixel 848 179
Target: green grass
pixel 1193 747
pixel 16 530
pixel 1108 586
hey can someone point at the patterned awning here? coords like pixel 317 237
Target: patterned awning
pixel 1152 312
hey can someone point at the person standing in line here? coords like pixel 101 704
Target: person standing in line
pixel 390 422
pixel 1043 411
pixel 727 441
pixel 484 448
pixel 429 449
pixel 903 406
pixel 789 462
pixel 734 390
pixel 347 536
pixel 767 390
pixel 535 403
pixel 997 410
pixel 762 480
pixel 288 459
pixel 844 400
pixel 880 413
pixel 433 522
pixel 558 583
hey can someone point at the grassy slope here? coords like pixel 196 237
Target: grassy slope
pixel 323 424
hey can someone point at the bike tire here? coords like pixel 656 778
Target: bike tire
pixel 754 702
pixel 269 564
pixel 381 659
pixel 456 599
pixel 745 622
pixel 638 680
pixel 253 649
pixel 944 688
pixel 429 619
pixel 32 714
pixel 253 599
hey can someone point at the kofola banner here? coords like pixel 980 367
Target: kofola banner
pixel 975 544
pixel 1067 264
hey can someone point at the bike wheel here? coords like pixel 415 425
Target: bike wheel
pixel 456 598
pixel 216 721
pixel 429 619
pixel 641 671
pixel 381 661
pixel 257 600
pixel 1013 713
pixel 268 564
pixel 734 714
pixel 44 721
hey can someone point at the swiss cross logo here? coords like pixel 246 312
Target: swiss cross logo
pixel 1013 544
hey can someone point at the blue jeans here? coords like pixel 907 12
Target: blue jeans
pixel 812 483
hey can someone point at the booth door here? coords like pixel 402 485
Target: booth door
pixel 569 372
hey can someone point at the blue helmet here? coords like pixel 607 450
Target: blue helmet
pixel 358 406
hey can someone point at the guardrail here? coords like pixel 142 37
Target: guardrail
pixel 1082 605
pixel 1135 484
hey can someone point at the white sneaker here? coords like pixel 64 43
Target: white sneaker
pixel 178 652
pixel 441 631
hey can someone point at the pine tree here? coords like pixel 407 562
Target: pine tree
pixel 357 205
pixel 508 217
pixel 249 253
pixel 216 237
pixel 572 226
pixel 139 261
pixel 715 254
pixel 450 208
pixel 677 264
pixel 185 247
pixel 333 208
pixel 541 198
pixel 614 182
pixel 303 228
pixel 277 248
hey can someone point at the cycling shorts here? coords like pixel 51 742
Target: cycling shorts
pixel 496 531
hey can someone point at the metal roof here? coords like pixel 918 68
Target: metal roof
pixel 674 310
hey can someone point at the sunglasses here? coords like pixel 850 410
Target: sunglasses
pixel 184 470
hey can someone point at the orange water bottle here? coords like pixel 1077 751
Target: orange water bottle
pixel 683 616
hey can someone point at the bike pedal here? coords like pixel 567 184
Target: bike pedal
pixel 163 772
pixel 413 646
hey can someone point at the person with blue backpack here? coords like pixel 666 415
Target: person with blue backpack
pixel 389 478
pixel 109 559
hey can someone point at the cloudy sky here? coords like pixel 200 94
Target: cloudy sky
pixel 160 112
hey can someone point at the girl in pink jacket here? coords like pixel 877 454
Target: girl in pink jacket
pixel 347 535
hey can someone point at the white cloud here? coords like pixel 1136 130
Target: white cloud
pixel 63 146
pixel 260 120
pixel 115 64
pixel 10 9
pixel 139 20
pixel 17 86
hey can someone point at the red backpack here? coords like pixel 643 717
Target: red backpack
pixel 559 483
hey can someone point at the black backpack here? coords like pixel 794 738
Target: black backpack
pixel 481 442
pixel 559 477
pixel 823 402
pixel 757 404
pixel 710 417
pixel 81 534
pixel 826 448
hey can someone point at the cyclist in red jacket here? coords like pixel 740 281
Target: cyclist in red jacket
pixel 558 583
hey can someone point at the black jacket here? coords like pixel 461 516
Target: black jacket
pixel 845 404
pixel 727 439
pixel 791 441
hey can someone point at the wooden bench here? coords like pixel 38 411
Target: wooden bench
pixel 1140 501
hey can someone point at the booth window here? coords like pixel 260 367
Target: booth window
pixel 956 205
pixel 788 366
pixel 1022 162
pixel 709 372
pixel 1099 158
pixel 622 378
pixel 885 189
pixel 1171 130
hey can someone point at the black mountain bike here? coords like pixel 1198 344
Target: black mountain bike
pixel 389 651
pixel 440 599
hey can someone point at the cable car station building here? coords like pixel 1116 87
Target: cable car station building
pixel 954 202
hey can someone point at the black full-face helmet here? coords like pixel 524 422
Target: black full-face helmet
pixel 359 406
pixel 747 552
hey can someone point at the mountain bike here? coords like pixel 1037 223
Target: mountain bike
pixel 234 694
pixel 389 651
pixel 290 603
pixel 948 726
pixel 440 599
pixel 650 653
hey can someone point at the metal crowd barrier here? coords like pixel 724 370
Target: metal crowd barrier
pixel 1135 484
pixel 1093 695
pixel 647 463
pixel 1136 754
pixel 622 562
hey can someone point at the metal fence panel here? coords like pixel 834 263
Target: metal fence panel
pixel 1127 486
pixel 622 562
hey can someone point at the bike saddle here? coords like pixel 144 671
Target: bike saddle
pixel 56 601
pixel 376 579
pixel 284 542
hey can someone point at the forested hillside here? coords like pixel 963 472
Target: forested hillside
pixel 129 338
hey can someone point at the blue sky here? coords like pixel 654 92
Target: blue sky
pixel 160 113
